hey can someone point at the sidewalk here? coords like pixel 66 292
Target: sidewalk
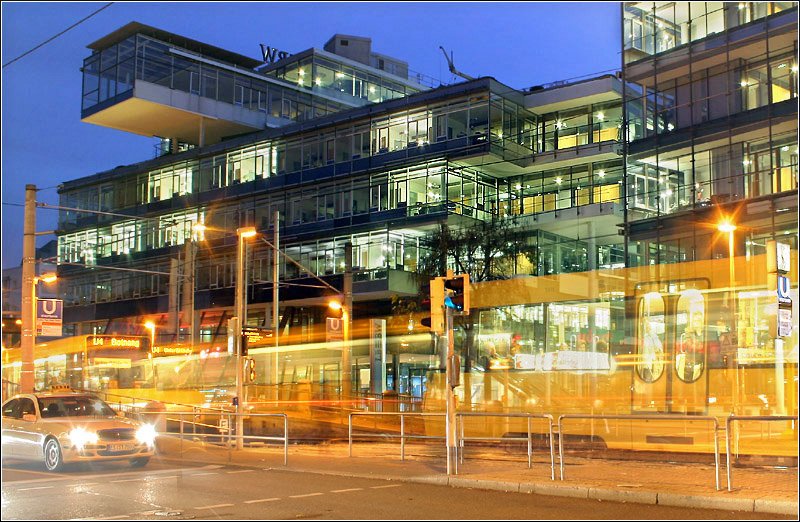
pixel 756 489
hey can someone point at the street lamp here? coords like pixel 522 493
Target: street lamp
pixel 150 325
pixel 726 226
pixel 243 233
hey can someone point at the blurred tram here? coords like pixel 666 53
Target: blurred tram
pixel 692 338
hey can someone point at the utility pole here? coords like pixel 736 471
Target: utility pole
pixel 28 274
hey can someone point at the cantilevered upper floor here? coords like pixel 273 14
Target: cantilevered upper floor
pixel 152 82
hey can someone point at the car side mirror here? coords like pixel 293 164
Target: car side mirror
pixel 29 417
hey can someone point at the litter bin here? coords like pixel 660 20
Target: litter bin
pixel 155 414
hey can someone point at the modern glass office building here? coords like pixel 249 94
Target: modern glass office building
pixel 598 179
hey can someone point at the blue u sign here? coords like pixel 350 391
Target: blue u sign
pixel 784 289
pixel 49 309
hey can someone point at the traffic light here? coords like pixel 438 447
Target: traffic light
pixel 243 344
pixel 436 320
pixel 457 293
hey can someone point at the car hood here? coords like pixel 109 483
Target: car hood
pixel 91 423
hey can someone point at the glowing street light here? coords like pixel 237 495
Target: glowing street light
pixel 243 234
pixel 150 325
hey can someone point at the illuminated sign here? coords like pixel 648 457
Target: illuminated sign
pixel 107 362
pixel 172 350
pixel 784 289
pixel 272 55
pixel 115 341
pixel 49 314
pixel 255 335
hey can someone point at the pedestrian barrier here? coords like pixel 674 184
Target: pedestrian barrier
pixel 225 428
pixel 402 435
pixel 528 416
pixel 665 417
pixel 733 418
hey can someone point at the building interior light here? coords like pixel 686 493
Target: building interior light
pixel 318 81
pixel 601 173
pixel 558 180
pixel 794 68
pixel 742 5
pixel 301 72
pixel 744 83
pixel 518 186
pixel 601 116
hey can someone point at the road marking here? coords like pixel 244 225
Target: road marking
pixel 261 500
pixel 115 517
pixel 306 495
pixel 126 480
pixel 168 477
pixel 37 487
pixel 103 476
pixel 214 506
pixel 201 474
pixel 389 486
pixel 346 490
pixel 241 471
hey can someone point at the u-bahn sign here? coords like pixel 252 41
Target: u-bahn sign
pixel 49 316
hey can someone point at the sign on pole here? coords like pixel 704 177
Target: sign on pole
pixel 334 329
pixel 49 317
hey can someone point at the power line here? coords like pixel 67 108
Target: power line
pixel 56 36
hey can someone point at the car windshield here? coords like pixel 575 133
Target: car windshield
pixel 74 407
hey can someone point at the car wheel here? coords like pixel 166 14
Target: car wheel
pixel 53 458
pixel 141 461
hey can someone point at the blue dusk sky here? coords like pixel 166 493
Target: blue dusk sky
pixel 521 44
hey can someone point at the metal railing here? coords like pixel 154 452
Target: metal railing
pixel 461 438
pixel 733 418
pixel 666 417
pixel 402 435
pixel 226 430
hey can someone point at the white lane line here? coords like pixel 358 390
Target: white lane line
pixel 38 487
pixel 115 517
pixel 161 478
pixel 201 474
pixel 104 476
pixel 261 500
pixel 126 480
pixel 306 495
pixel 240 471
pixel 389 486
pixel 215 506
pixel 346 490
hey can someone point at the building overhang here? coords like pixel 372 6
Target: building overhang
pixel 154 110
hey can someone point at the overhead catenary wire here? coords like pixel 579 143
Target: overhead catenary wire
pixel 56 36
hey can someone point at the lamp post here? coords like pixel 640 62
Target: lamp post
pixel 726 226
pixel 241 314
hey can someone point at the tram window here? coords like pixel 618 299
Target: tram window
pixel 690 335
pixel 651 333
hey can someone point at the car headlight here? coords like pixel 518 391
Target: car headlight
pixel 80 437
pixel 146 434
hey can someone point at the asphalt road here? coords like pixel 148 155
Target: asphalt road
pixel 170 490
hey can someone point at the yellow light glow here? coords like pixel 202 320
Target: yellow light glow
pixel 47 278
pixel 246 232
pixel 726 226
pixel 150 325
pixel 334 305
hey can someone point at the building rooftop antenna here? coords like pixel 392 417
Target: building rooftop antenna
pixel 453 67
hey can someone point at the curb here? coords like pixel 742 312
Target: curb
pixel 779 507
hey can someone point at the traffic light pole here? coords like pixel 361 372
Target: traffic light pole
pixel 450 422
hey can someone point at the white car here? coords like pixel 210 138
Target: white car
pixel 58 428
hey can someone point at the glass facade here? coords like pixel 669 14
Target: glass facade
pixel 705 133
